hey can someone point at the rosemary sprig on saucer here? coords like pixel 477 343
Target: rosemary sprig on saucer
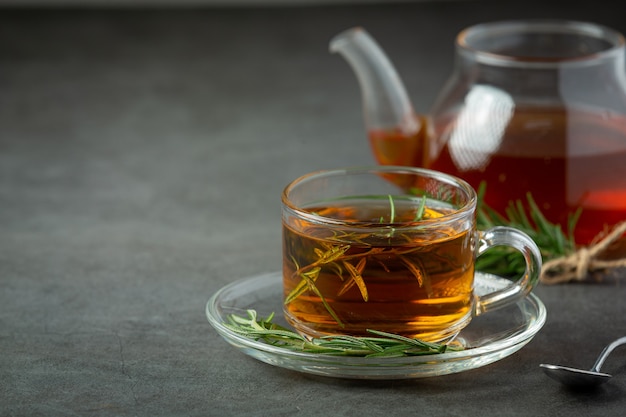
pixel 381 344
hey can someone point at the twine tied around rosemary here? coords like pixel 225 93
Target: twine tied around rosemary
pixel 576 266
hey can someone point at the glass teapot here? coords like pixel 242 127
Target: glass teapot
pixel 530 106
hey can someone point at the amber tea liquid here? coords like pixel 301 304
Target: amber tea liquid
pixel 398 280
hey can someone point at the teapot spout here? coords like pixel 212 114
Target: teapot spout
pixel 394 130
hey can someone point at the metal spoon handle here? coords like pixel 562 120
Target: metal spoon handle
pixel 606 352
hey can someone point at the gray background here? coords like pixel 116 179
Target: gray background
pixel 142 155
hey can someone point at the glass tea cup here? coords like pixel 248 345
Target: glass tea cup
pixel 390 249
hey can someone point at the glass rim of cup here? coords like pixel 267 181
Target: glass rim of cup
pixel 460 213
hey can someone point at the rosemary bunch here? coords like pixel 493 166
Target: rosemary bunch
pixel 549 237
pixel 381 345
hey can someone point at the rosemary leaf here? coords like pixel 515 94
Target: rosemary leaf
pixel 420 210
pixel 307 281
pixel 355 277
pixel 326 305
pixel 392 208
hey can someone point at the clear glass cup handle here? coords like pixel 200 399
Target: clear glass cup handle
pixel 507 236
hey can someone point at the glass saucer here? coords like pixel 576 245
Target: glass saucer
pixel 488 338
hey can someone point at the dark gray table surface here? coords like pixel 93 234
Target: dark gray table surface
pixel 142 155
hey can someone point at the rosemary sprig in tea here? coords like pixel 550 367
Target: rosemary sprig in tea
pixel 382 344
pixel 333 257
